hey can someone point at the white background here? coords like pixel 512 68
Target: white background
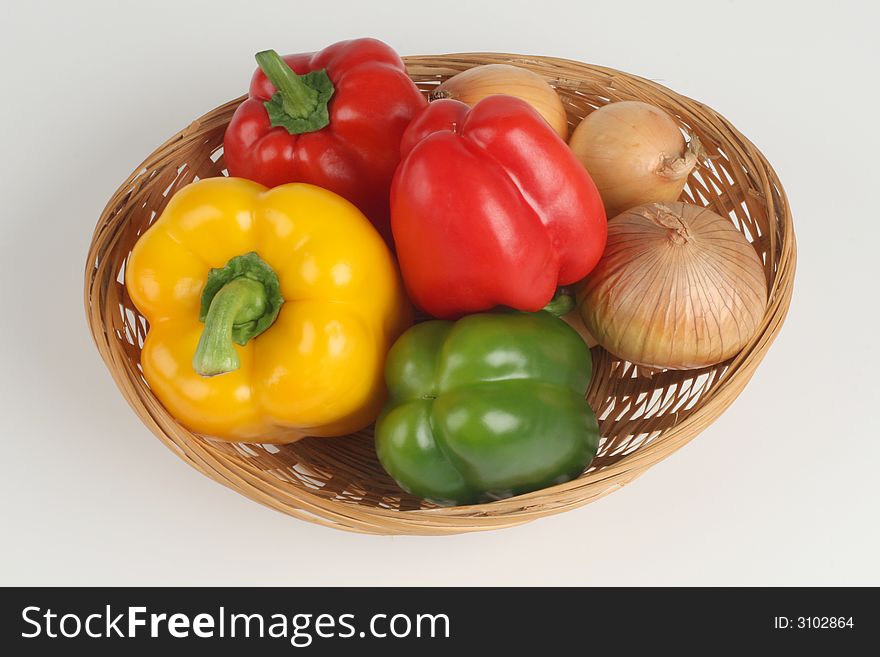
pixel 782 489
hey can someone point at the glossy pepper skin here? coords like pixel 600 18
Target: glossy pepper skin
pixel 486 407
pixel 508 211
pixel 356 153
pixel 316 369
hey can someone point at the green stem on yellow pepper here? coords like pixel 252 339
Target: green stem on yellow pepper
pixel 242 300
pixel 239 301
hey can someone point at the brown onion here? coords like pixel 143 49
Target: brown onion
pixel 476 83
pixel 678 287
pixel 635 154
pixel 573 319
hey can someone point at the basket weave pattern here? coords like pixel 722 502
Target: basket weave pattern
pixel 339 482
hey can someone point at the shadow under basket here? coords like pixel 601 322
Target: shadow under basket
pixel 338 482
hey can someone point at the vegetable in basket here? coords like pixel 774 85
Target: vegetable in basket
pixel 270 311
pixel 332 118
pixel 486 407
pixel 678 287
pixel 636 153
pixel 474 84
pixel 490 207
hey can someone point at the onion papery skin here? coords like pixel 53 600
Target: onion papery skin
pixel 635 153
pixel 475 84
pixel 678 287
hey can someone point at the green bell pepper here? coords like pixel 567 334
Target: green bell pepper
pixel 486 407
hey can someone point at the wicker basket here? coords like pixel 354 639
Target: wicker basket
pixel 339 482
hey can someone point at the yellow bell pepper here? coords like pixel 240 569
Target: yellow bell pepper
pixel 270 311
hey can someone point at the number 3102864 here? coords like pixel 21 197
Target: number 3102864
pixel 813 622
pixel 824 622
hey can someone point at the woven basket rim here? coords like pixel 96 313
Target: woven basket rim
pixel 262 486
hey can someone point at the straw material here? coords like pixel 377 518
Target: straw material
pixel 339 482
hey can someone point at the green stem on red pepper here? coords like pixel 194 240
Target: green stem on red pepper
pixel 300 103
pixel 561 303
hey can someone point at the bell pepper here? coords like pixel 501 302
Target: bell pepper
pixel 270 311
pixel 486 407
pixel 332 118
pixel 508 211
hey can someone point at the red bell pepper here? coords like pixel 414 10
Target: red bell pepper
pixel 332 118
pixel 489 207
